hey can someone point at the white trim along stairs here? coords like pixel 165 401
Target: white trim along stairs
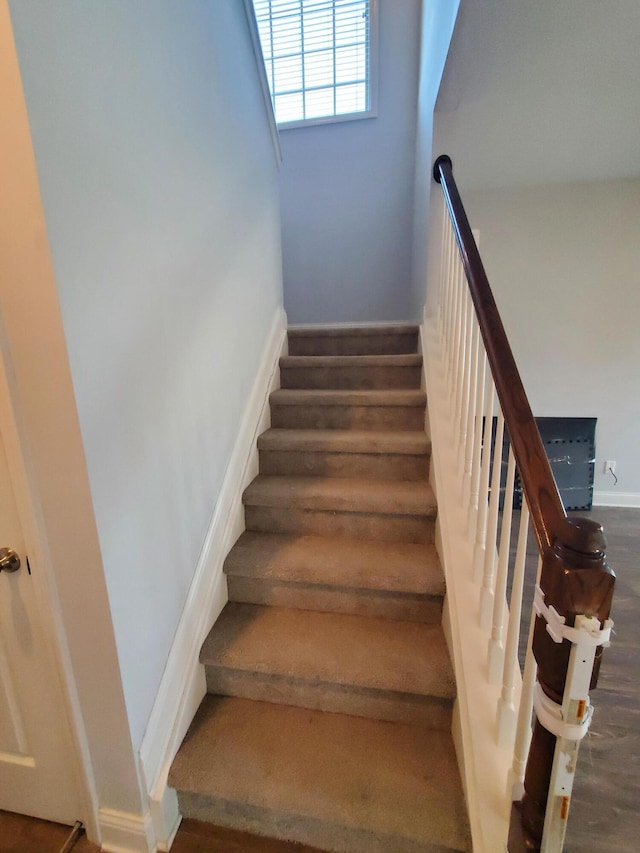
pixel 183 684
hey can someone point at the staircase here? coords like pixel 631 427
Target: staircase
pixel 330 690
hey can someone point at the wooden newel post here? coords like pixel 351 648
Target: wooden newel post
pixel 575 581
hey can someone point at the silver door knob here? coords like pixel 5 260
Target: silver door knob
pixel 9 560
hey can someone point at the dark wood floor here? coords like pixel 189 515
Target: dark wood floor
pixel 20 834
pixel 605 811
pixel 605 808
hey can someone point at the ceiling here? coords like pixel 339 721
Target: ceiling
pixel 540 91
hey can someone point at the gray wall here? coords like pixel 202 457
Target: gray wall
pixel 438 19
pixel 564 264
pixel 347 195
pixel 159 184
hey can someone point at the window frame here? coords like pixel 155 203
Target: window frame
pixel 372 82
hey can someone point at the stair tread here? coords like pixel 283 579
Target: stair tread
pixel 337 776
pixel 352 331
pixel 349 397
pixel 356 652
pixel 385 497
pixel 353 361
pixel 410 442
pixel 345 563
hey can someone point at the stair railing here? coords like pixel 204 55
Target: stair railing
pixel 570 622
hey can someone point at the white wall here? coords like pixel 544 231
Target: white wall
pixel 60 530
pixel 347 195
pixel 159 185
pixel 564 263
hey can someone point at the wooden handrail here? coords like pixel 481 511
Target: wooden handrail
pixel 575 578
pixel 545 504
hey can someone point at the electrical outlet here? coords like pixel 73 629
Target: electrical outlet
pixel 610 466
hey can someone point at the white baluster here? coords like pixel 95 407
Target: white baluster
pixel 477 441
pixel 464 357
pixel 488 577
pixel 457 340
pixel 443 276
pixel 470 432
pixel 447 276
pixel 495 654
pixel 448 290
pixel 460 368
pixel 444 290
pixel 453 327
pixel 483 494
pixel 507 714
pixel 515 783
pixel 465 395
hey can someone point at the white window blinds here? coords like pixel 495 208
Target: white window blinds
pixel 317 55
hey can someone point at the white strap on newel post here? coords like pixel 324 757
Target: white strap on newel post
pixel 587 630
pixel 570 721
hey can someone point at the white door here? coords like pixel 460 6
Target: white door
pixel 38 774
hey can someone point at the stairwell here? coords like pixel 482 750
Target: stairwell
pixel 330 689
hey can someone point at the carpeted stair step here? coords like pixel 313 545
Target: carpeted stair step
pixel 351 372
pixel 391 579
pixel 360 665
pixel 336 782
pixel 330 688
pixel 382 455
pixel 354 340
pixel 391 510
pixel 343 410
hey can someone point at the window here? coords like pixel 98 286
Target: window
pixel 319 58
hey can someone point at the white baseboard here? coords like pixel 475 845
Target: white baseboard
pixel 630 499
pixel 360 324
pixel 122 832
pixel 165 817
pixel 183 683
